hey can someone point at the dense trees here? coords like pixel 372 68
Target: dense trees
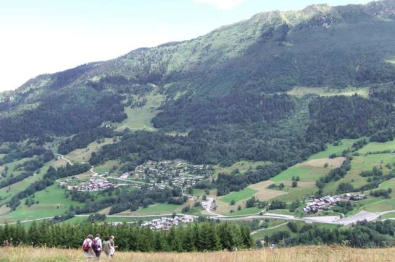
pixel 14 151
pixel 386 193
pixel 214 145
pixel 194 237
pixel 83 139
pixel 14 179
pixel 64 113
pixel 122 200
pixel 235 108
pixel 340 117
pixel 362 235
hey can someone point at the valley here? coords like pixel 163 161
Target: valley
pixel 282 124
pixel 54 200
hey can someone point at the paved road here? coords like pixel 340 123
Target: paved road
pixel 361 216
pixel 142 216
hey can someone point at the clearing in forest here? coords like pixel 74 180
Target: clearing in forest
pixel 139 118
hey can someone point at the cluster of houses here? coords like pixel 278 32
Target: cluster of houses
pixel 94 184
pixel 319 204
pixel 168 174
pixel 165 223
pixel 163 174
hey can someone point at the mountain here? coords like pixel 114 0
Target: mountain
pixel 272 52
pixel 270 91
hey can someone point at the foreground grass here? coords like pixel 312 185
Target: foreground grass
pixel 304 254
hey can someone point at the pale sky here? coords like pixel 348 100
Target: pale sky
pixel 47 36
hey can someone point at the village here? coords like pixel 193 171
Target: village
pixel 169 174
pixel 325 202
pixel 152 174
pixel 165 223
pixel 95 183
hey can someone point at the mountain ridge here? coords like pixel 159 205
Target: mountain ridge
pixel 258 23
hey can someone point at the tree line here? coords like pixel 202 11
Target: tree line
pixel 350 117
pixel 361 235
pixel 64 113
pixel 123 200
pixel 207 236
pixel 83 139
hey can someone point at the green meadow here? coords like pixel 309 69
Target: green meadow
pixel 334 149
pixel 159 208
pixel 140 118
pixel 51 201
pixel 238 196
pixel 378 147
pixel 305 173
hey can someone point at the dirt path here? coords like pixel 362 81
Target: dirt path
pixel 65 159
pixel 269 228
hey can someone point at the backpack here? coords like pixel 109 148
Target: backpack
pixel 95 245
pixel 86 246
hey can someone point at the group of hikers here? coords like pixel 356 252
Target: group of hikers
pixel 93 247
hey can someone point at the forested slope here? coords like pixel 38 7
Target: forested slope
pixel 215 100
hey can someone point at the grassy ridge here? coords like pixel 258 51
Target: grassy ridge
pixel 300 254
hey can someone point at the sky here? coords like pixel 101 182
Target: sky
pixel 47 36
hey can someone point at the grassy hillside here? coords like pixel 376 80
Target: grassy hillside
pixel 319 165
pixel 302 254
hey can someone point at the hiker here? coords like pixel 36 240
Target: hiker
pixel 97 246
pixel 107 246
pixel 112 246
pixel 87 247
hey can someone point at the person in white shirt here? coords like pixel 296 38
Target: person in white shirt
pixel 97 246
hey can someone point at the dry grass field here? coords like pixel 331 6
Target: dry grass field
pixel 297 254
pixel 330 162
pixel 264 193
pixel 84 154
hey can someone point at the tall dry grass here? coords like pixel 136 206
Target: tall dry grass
pixel 296 254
